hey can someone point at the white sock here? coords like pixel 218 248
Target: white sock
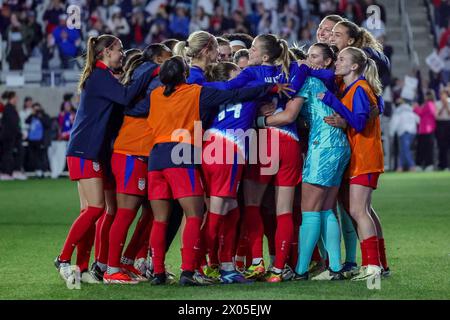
pixel 276 270
pixel 256 260
pixel 102 266
pixel 227 266
pixel 112 270
pixel 127 261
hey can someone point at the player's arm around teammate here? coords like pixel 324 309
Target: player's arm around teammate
pixel 176 110
pixel 100 92
pixel 129 166
pixel 362 86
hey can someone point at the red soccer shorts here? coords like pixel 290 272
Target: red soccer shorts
pixel 222 178
pixel 367 180
pixel 80 168
pixel 290 164
pixel 130 173
pixel 174 183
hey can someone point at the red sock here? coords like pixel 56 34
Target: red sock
pixel 191 236
pixel 118 235
pixel 200 250
pixel 143 241
pixel 98 229
pixel 270 227
pixel 382 253
pixel 78 230
pixel 228 234
pixel 363 254
pixel 139 235
pixel 241 242
pixel 158 245
pixel 214 223
pixel 371 251
pixel 104 238
pixel 283 239
pixel 255 230
pixel 84 249
pixel 293 255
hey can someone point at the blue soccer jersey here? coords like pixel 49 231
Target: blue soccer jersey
pixel 233 122
pixel 253 75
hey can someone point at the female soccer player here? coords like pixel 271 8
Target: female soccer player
pixel 265 54
pixel 224 156
pixel 200 49
pixel 129 165
pixel 325 28
pixel 100 92
pixel 359 92
pixel 347 34
pixel 177 109
pixel 326 159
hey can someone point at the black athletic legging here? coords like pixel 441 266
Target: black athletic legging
pixel 174 223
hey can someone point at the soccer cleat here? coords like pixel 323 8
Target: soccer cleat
pixel 211 271
pixel 118 278
pixel 274 277
pixel 160 279
pixel 89 277
pixel 300 277
pixel 350 269
pixel 229 277
pixel 141 265
pixel 368 272
pixel 256 271
pixel 316 268
pixel 133 272
pixel 65 270
pixel 189 278
pixel 329 275
pixel 386 273
pixel 287 273
pixel 96 272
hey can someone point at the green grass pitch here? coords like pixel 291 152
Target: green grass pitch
pixel 35 217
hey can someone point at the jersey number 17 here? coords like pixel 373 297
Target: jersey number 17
pixel 235 108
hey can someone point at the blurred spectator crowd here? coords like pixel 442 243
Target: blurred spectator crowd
pixel 31 140
pixel 39 27
pixel 416 132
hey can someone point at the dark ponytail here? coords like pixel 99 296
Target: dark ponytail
pixel 147 55
pixel 172 74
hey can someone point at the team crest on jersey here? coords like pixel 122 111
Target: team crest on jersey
pixel 141 184
pixel 96 166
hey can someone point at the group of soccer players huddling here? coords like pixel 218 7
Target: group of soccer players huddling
pixel 314 115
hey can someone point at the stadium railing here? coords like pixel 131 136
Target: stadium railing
pixel 408 35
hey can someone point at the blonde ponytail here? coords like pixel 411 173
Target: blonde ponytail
pixel 90 62
pixel 135 61
pixel 366 67
pixel 276 49
pixel 371 75
pixel 367 40
pixel 284 59
pixel 180 49
pixel 196 46
pixel 95 47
